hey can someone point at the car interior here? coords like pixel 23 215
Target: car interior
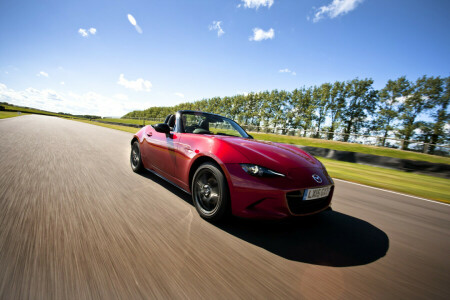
pixel 170 120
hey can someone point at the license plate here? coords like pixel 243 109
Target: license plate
pixel 311 194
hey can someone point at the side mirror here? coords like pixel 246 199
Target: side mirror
pixel 162 127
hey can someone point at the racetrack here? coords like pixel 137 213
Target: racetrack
pixel 77 223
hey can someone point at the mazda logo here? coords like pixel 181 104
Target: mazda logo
pixel 317 178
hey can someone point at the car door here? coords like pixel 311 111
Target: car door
pixel 159 151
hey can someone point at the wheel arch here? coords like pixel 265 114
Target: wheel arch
pixel 201 160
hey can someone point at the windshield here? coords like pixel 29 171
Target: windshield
pixel 200 123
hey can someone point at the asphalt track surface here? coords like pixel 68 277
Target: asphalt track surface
pixel 77 223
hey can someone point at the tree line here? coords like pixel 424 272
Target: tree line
pixel 353 106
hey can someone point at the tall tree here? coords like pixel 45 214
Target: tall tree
pixel 388 106
pixel 238 107
pixel 227 103
pixel 214 105
pixel 266 108
pixel 322 98
pixel 426 131
pixel 337 104
pixel 302 109
pixel 278 103
pixel 294 114
pixel 438 91
pixel 412 107
pixel 255 107
pixel 361 103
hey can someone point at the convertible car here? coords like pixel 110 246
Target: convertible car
pixel 227 171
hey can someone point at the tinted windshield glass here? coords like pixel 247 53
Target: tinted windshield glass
pixel 200 123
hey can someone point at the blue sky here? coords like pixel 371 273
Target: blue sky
pixel 187 50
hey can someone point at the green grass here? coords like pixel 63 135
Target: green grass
pixel 413 184
pixel 9 114
pixel 117 127
pixel 128 121
pixel 335 145
pixel 409 183
pixel 37 111
pixel 382 151
pixel 31 110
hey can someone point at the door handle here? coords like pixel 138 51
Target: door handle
pixel 148 133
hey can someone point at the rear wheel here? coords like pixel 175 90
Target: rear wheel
pixel 210 192
pixel 135 158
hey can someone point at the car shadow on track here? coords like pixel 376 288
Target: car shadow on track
pixel 329 238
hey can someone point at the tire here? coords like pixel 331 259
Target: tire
pixel 210 193
pixel 135 158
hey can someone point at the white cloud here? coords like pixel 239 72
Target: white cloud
pixel 62 83
pixel 216 25
pixel 179 95
pixel 138 85
pixel 83 32
pixel 335 9
pixel 259 34
pixel 88 103
pixel 256 3
pixel 132 20
pixel 287 71
pixel 134 23
pixel 42 73
pixel 86 32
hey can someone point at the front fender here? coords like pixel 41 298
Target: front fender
pixel 140 135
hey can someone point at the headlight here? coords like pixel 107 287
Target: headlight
pixel 256 170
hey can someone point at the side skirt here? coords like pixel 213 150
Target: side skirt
pixel 167 180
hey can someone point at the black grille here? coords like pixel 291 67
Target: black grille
pixel 299 206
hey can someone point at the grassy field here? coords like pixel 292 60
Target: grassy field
pixel 36 111
pixel 335 145
pixel 409 183
pixel 9 114
pixel 128 121
pixel 413 184
pixel 118 127
pixel 350 147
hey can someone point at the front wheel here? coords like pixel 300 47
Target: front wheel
pixel 210 192
pixel 135 158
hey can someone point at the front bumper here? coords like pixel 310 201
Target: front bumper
pixel 276 197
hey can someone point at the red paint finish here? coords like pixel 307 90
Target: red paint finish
pixel 174 155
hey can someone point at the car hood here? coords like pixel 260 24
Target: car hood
pixel 275 156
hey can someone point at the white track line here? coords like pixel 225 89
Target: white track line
pixel 424 199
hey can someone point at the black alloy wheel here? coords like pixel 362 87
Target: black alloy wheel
pixel 210 192
pixel 135 158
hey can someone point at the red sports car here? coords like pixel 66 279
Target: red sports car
pixel 226 170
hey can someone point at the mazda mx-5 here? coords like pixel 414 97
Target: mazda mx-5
pixel 228 172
